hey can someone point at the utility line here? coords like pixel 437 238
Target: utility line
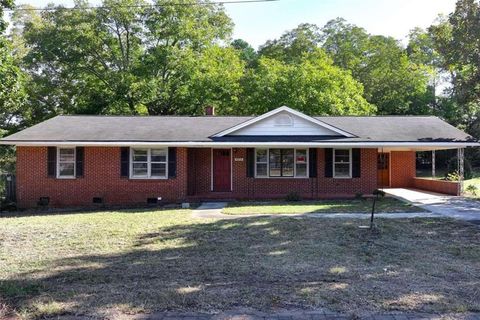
pixel 141 6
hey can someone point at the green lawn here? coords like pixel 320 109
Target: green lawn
pixel 384 205
pixel 474 182
pixel 118 264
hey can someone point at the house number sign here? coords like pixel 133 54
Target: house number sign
pixel 238 159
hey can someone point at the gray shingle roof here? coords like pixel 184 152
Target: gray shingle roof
pixel 200 129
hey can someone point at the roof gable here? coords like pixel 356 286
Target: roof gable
pixel 284 121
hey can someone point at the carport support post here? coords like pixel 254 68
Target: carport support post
pixel 460 155
pixel 433 164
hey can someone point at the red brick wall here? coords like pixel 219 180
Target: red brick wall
pixel 440 186
pixel 402 169
pixel 247 188
pixel 199 175
pixel 101 179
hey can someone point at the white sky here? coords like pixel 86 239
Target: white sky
pixel 259 22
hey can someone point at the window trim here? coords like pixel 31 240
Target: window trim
pixel 349 162
pixel 149 165
pixel 294 164
pixel 74 176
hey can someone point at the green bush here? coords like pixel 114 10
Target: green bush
pixel 359 195
pixel 452 168
pixel 378 193
pixel 453 176
pixel 472 189
pixel 293 196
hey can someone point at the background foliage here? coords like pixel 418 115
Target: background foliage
pixel 122 58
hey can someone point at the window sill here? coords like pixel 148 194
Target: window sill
pixel 67 178
pixel 146 178
pixel 269 178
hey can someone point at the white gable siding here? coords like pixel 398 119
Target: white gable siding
pixel 270 127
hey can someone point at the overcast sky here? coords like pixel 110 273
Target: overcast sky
pixel 259 22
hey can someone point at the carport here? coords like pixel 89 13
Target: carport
pixel 396 168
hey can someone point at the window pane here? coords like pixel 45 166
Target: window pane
pixel 159 155
pixel 159 170
pixel 287 162
pixel 342 170
pixel 301 156
pixel 261 169
pixel 261 155
pixel 140 169
pixel 140 155
pixel 275 162
pixel 66 169
pixel 301 169
pixel 342 155
pixel 67 155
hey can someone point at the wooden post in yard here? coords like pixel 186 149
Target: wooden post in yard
pixel 433 164
pixel 461 169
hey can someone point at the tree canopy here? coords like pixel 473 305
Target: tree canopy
pixel 128 57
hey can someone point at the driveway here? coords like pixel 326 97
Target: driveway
pixel 449 206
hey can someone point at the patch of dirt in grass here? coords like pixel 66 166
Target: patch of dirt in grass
pixel 111 264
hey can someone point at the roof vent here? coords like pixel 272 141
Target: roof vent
pixel 283 120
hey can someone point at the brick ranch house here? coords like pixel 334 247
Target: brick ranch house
pixel 72 161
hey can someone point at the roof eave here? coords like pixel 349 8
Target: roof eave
pixel 324 144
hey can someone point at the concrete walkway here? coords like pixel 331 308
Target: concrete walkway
pixel 448 206
pixel 213 210
pixel 307 315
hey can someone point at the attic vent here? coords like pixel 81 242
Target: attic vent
pixel 283 120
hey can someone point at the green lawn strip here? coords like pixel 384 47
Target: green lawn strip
pixel 384 205
pixel 472 182
pixel 120 263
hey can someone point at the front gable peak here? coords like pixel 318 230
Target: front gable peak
pixel 284 121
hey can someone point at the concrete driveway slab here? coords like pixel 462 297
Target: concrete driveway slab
pixel 460 208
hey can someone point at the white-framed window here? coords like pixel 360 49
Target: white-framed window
pixel 149 163
pixel 66 163
pixel 261 163
pixel 342 163
pixel 301 161
pixel 281 163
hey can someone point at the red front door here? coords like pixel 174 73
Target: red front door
pixel 221 170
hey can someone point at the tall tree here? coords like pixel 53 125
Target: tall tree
pixel 4 4
pixel 456 39
pixel 247 52
pixel 122 58
pixel 312 85
pixel 12 93
pixel 292 44
pixel 392 81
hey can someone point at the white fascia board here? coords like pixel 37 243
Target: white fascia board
pixel 278 110
pixel 244 144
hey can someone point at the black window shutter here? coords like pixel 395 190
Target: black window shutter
pixel 356 163
pixel 328 163
pixel 79 161
pixel 312 162
pixel 250 162
pixel 172 162
pixel 52 161
pixel 124 161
